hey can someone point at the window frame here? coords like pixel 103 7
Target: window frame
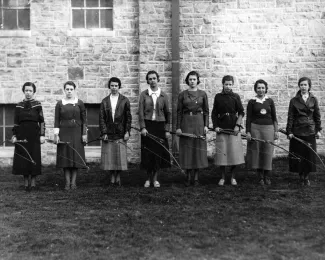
pixel 97 125
pixel 17 32
pixel 90 32
pixel 4 126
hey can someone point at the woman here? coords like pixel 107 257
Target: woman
pixel 28 125
pixel 114 125
pixel 261 123
pixel 228 113
pixel 70 133
pixel 154 120
pixel 304 122
pixel 193 118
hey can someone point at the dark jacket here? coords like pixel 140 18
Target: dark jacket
pixel 146 109
pixel 303 118
pixel 122 118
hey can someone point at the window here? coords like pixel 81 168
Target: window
pixel 92 14
pixel 93 123
pixel 14 15
pixel 6 123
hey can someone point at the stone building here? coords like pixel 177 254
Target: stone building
pixel 89 41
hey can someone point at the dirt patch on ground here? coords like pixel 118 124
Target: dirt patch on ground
pixel 281 221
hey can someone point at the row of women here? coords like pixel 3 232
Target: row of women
pixel 70 131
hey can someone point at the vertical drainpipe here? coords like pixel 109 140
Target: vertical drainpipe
pixel 175 69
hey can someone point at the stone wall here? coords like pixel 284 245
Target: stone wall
pixel 277 40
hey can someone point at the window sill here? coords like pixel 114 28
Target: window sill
pixel 15 33
pixel 91 32
pixel 7 152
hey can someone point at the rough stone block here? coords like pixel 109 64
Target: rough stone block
pixel 75 73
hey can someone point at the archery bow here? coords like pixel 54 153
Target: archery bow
pixel 18 142
pixel 283 131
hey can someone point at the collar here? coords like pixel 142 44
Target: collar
pixel 258 100
pixel 158 92
pixel 30 100
pixel 298 95
pixel 71 101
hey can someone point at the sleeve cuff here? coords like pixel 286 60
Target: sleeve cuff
pixel 56 131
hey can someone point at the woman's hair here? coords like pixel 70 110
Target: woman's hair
pixel 114 79
pixel 152 72
pixel 261 81
pixel 304 79
pixel 192 73
pixel 29 84
pixel 71 83
pixel 228 78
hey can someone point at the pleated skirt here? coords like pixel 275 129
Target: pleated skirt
pixel 259 155
pixel 192 152
pixel 70 155
pixel 154 155
pixel 114 155
pixel 307 162
pixel 229 150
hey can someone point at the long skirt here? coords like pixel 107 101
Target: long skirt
pixel 114 155
pixel 153 155
pixel 307 162
pixel 229 150
pixel 193 152
pixel 22 164
pixel 259 155
pixel 71 155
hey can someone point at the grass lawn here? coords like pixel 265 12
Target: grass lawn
pixel 281 221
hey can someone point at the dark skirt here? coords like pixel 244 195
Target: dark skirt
pixel 193 152
pixel 70 155
pixel 307 161
pixel 153 155
pixel 22 164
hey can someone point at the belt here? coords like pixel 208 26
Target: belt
pixel 225 114
pixel 192 113
pixel 72 121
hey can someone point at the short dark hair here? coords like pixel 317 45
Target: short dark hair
pixel 29 84
pixel 152 72
pixel 114 79
pixel 192 73
pixel 261 81
pixel 71 83
pixel 304 79
pixel 228 78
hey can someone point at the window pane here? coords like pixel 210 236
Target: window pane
pixel 106 18
pixel 92 18
pixel 9 19
pixel 1 116
pixel 92 3
pixel 9 114
pixel 78 19
pixel 77 3
pixel 8 135
pixel 9 3
pixel 23 19
pixel 106 3
pixel 93 115
pixel 1 137
pixel 93 133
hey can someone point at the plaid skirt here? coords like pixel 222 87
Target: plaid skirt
pixel 114 155
pixel 229 150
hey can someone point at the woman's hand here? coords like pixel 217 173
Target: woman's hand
pixel 144 132
pixel 42 139
pixel 179 132
pixel 237 129
pixel 217 129
pixel 248 136
pixel 167 135
pixel 290 136
pixel 56 139
pixel 126 136
pixel 13 139
pixel 105 138
pixel 84 139
pixel 318 135
pixel 276 135
pixel 206 130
